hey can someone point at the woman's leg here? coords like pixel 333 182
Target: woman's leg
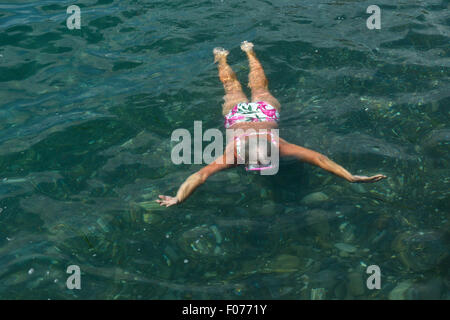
pixel 233 90
pixel 257 80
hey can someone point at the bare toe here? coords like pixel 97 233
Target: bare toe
pixel 219 53
pixel 246 46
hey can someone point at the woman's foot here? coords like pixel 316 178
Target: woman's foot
pixel 220 53
pixel 246 46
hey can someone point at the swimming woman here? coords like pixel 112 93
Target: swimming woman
pixel 258 117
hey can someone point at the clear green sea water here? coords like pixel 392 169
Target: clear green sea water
pixel 85 123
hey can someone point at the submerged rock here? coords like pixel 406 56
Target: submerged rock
pixel 340 291
pixel 326 278
pixel 357 188
pixel 356 284
pixel 269 209
pixel 426 290
pixel 314 198
pixel 345 247
pixel 400 291
pixel 317 220
pixel 318 294
pixel 203 240
pixel 420 250
pixel 347 232
pixel 438 142
pixel 151 218
pixel 285 261
pixel 149 205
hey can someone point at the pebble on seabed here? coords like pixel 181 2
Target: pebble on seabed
pixel 400 291
pixel 356 284
pixel 318 294
pixel 345 247
pixel 314 197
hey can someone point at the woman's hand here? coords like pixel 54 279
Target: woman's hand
pixel 167 201
pixel 364 179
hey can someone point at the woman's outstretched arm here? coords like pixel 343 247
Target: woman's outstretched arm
pixel 198 178
pixel 317 159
